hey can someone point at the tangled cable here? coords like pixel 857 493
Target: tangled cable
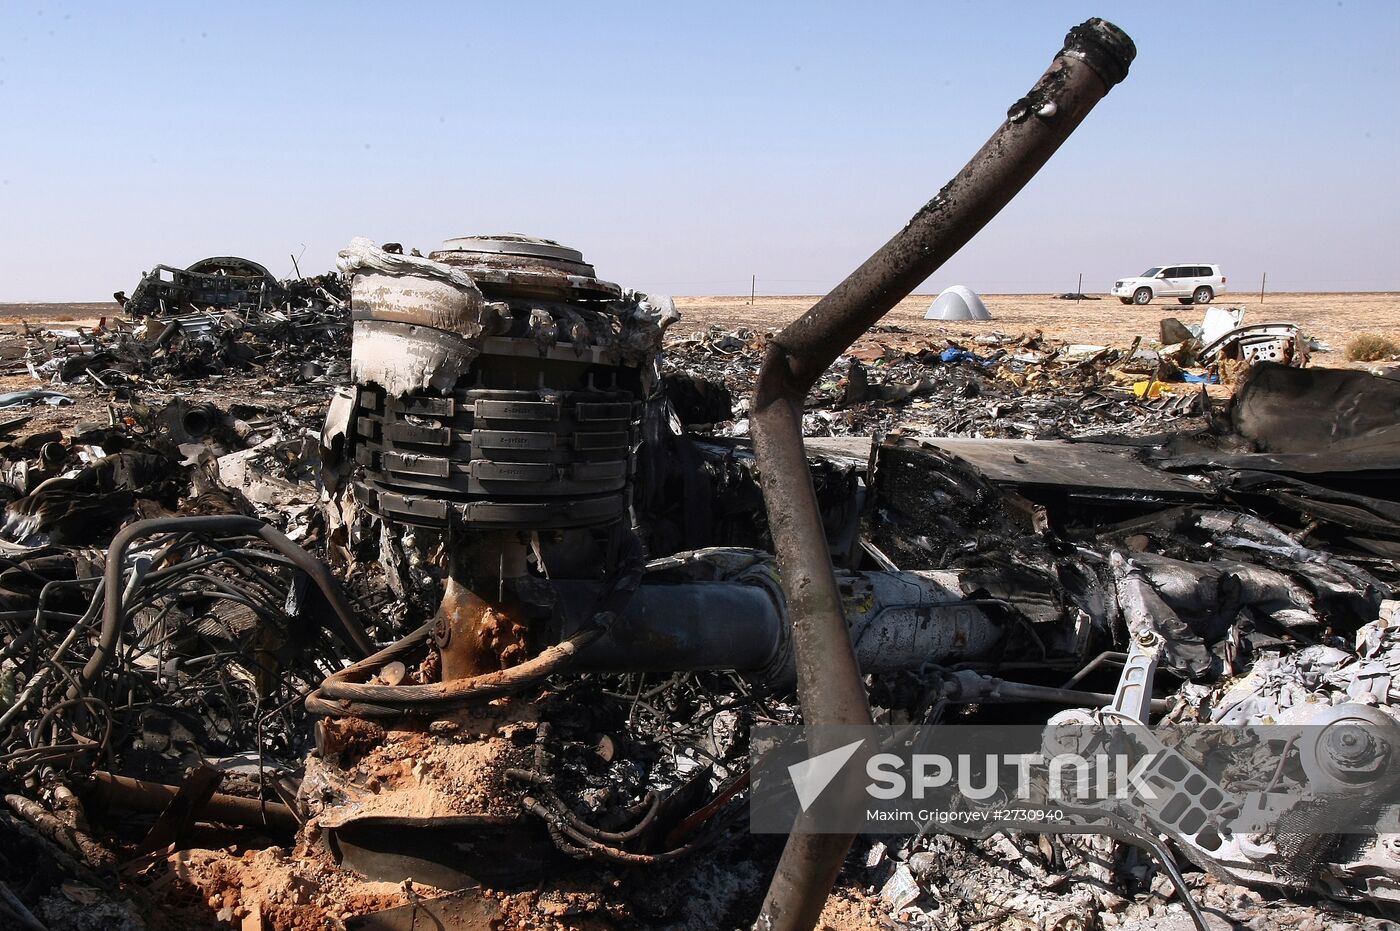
pixel 200 621
pixel 581 840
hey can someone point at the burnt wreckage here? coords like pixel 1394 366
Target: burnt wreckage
pixel 587 602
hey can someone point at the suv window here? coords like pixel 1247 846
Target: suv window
pixel 1172 272
pixel 1200 271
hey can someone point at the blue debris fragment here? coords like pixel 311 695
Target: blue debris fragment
pixel 958 355
pixel 30 396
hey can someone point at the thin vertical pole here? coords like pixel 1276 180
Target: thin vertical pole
pixel 1079 289
pixel 1261 287
pixel 753 288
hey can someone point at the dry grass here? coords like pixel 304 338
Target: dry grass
pixel 1371 347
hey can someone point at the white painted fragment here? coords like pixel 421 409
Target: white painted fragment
pixel 402 358
pixel 417 323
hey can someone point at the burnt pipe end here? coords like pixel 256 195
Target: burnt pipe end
pixel 1103 47
pixel 200 419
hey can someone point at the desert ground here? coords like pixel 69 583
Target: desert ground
pixel 1330 318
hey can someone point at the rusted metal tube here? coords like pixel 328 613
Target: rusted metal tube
pixel 199 419
pixel 141 795
pixel 899 620
pixel 1096 56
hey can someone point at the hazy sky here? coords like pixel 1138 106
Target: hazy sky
pixel 685 147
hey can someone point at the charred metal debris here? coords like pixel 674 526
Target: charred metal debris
pixel 219 316
pixel 464 622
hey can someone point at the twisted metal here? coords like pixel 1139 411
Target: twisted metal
pixel 196 624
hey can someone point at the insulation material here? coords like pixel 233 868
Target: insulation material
pixel 417 322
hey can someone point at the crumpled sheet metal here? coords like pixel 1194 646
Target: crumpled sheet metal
pixel 402 358
pixel 1318 685
pixel 1286 410
pixel 898 617
pixel 1292 688
pixel 1215 574
pixel 645 319
pixel 418 323
pixel 1192 603
pixel 218 282
pixel 1260 342
pixel 363 258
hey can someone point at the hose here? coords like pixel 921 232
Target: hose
pixel 341 694
pixel 110 635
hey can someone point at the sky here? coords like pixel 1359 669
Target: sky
pixel 686 147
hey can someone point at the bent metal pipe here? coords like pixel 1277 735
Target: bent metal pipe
pixel 1095 57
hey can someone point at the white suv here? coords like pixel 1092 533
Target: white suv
pixel 1189 284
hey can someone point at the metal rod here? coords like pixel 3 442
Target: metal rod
pixel 140 795
pixel 19 911
pixel 1096 56
pixel 992 689
pixel 1108 656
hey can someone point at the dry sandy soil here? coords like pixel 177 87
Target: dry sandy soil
pixel 1332 318
pixel 57 313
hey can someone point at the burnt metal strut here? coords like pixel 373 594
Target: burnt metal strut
pixel 1095 57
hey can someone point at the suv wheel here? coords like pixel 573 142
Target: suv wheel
pixel 1203 295
pixel 1142 296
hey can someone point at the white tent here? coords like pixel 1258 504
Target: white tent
pixel 958 303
